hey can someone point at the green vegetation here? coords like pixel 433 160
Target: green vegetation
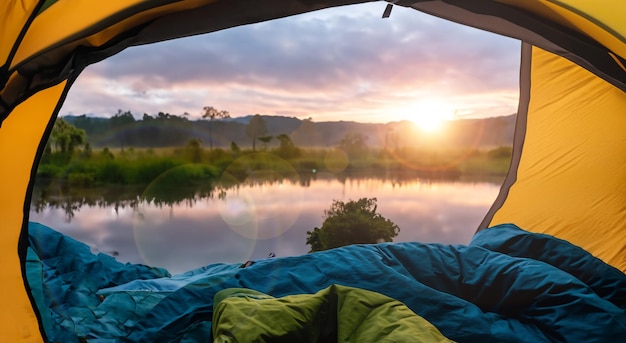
pixel 77 169
pixel 129 167
pixel 68 156
pixel 353 222
pixel 64 140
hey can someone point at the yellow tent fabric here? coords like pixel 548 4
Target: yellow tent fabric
pixel 573 128
pixel 19 141
pixel 14 18
pixel 591 34
pixel 601 21
pixel 569 181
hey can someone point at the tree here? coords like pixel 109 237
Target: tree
pixel 212 113
pixel 307 134
pixel 65 137
pixel 87 150
pixel 354 144
pixel 287 149
pixel 353 222
pixel 121 122
pixel 266 140
pixel 193 150
pixel 256 128
pixel 107 154
pixel 234 148
pixel 121 119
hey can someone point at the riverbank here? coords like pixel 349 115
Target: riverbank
pixel 193 165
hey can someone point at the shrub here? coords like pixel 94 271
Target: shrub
pixel 49 171
pixel 354 222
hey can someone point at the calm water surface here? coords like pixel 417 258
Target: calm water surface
pixel 253 221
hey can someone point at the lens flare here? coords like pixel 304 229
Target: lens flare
pixel 252 208
pixel 165 237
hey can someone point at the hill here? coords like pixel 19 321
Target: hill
pixel 171 130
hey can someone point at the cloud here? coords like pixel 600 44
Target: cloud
pixel 325 64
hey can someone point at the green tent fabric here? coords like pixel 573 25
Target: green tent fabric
pixel 334 314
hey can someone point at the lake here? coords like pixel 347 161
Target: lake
pixel 256 219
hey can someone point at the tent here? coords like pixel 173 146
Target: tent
pixel 569 163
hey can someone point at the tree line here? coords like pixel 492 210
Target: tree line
pixel 215 128
pixel 71 156
pixel 161 130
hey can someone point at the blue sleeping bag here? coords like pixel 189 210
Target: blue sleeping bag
pixel 507 285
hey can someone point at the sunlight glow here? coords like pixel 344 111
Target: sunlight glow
pixel 430 115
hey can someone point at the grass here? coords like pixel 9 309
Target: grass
pixel 191 165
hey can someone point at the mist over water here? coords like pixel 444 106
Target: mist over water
pixel 254 220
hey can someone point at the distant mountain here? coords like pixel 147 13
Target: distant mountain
pixel 175 131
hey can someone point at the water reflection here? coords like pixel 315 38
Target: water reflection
pixel 232 223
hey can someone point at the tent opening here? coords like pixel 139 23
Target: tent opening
pixel 352 106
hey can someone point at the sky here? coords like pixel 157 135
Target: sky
pixel 343 63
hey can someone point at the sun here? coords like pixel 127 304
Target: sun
pixel 430 115
pixel 429 124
